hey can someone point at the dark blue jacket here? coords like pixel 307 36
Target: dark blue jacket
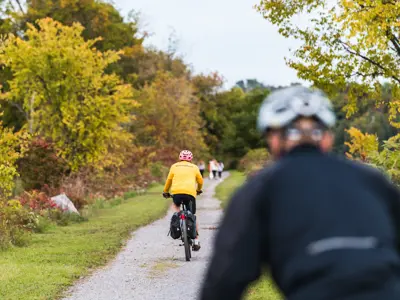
pixel 326 228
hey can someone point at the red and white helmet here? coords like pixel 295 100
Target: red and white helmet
pixel 186 155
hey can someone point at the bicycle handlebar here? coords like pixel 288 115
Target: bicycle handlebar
pixel 168 195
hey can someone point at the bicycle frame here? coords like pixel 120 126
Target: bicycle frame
pixel 184 210
pixel 187 241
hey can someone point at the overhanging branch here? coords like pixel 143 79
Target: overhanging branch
pixel 19 108
pixel 350 50
pixel 394 40
pixel 20 6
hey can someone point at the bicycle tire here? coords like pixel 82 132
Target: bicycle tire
pixel 185 238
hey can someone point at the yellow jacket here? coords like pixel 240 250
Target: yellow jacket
pixel 182 179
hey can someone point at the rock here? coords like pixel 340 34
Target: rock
pixel 63 202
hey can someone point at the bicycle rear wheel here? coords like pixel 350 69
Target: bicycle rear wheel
pixel 185 238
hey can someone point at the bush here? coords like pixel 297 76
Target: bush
pixel 16 223
pixel 11 149
pixel 131 194
pixel 158 170
pixel 37 201
pixel 66 218
pixel 44 207
pixel 43 224
pixel 365 148
pixel 116 201
pixel 77 187
pixel 41 166
pixel 254 160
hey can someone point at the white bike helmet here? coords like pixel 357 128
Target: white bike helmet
pixel 284 106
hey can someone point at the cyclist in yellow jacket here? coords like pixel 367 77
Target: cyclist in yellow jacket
pixel 184 182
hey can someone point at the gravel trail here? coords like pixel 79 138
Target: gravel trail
pixel 152 265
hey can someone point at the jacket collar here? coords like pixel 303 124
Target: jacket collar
pixel 304 148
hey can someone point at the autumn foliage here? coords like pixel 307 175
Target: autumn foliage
pixel 350 49
pixel 88 110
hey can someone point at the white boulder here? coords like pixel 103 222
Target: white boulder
pixel 63 202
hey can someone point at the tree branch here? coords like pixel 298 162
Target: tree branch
pixel 20 109
pixel 395 41
pixel 364 75
pixel 20 6
pixel 11 4
pixel 348 49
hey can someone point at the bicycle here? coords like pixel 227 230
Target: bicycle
pixel 187 241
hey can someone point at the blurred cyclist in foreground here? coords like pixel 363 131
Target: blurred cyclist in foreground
pixel 326 228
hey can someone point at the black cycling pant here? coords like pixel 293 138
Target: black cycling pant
pixel 214 174
pixel 202 173
pixel 186 199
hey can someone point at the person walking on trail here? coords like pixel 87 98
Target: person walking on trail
pixel 325 227
pixel 213 169
pixel 220 169
pixel 210 172
pixel 184 182
pixel 202 167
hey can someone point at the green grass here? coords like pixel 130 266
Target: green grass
pixel 263 288
pixel 56 258
pixel 225 190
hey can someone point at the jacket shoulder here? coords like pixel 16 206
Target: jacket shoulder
pixel 362 168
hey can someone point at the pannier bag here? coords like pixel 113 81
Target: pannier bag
pixel 175 226
pixel 191 225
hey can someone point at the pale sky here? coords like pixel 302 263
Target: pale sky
pixel 227 36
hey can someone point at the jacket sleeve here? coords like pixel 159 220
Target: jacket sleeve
pixel 236 260
pixel 394 202
pixel 168 182
pixel 391 194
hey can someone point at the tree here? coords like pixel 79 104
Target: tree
pixel 349 45
pixel 149 62
pixel 369 118
pixel 60 84
pixel 206 89
pixel 241 134
pixel 11 149
pixel 230 116
pixel 250 84
pixel 168 116
pixel 99 19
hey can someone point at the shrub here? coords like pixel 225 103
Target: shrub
pixel 41 166
pixel 65 218
pixel 43 224
pixel 115 201
pixel 365 148
pixel 43 206
pixel 158 170
pixel 130 194
pixel 37 201
pixel 16 223
pixel 12 146
pixel 254 160
pixel 77 187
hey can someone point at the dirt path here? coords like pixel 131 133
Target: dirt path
pixel 152 265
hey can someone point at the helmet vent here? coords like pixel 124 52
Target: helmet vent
pixel 281 109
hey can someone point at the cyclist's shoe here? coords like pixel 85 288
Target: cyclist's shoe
pixel 196 245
